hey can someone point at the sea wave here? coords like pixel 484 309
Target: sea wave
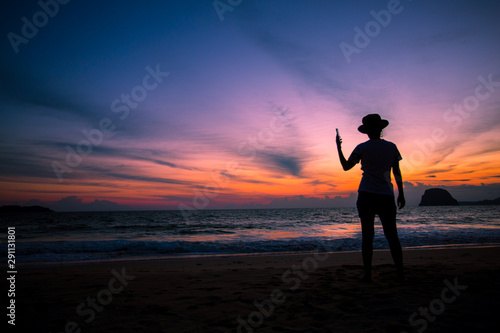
pixel 64 251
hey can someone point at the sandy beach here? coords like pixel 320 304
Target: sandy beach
pixel 447 290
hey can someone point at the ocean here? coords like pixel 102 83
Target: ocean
pixel 58 238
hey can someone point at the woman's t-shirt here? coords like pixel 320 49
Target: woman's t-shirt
pixel 377 158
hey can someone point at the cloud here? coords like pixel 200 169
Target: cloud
pixel 455 180
pixel 306 63
pixel 282 163
pixel 75 204
pixel 440 38
pixel 21 89
pixel 301 201
pixel 244 180
pixel 149 179
pixel 18 160
pixel 300 61
pixel 436 170
pixel 136 154
pixel 319 182
pixel 34 159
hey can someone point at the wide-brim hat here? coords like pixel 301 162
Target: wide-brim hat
pixel 372 121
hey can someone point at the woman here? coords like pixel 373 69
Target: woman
pixel 375 192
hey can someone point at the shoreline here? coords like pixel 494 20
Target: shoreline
pixel 240 255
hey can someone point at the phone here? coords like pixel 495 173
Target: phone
pixel 337 131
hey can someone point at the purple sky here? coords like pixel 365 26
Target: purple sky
pixel 264 88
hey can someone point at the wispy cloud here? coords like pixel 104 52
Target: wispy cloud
pixel 282 163
pixel 443 37
pixel 319 182
pixel 237 178
pixel 149 179
pixel 304 63
pixel 21 89
pixel 136 154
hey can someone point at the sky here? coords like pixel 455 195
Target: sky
pixel 214 104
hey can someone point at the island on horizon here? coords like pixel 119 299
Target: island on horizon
pixel 24 209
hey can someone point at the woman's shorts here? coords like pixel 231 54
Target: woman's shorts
pixel 371 204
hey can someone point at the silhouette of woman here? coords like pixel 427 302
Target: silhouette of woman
pixel 375 192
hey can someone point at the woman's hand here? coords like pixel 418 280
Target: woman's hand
pixel 401 201
pixel 338 140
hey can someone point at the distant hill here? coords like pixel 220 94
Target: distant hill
pixel 437 197
pixel 482 202
pixel 24 209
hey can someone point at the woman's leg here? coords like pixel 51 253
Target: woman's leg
pixel 391 233
pixel 368 231
pixel 366 210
